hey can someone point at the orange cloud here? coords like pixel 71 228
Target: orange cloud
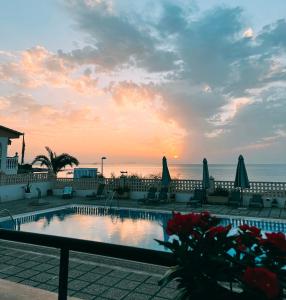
pixel 37 67
pixel 125 120
pixel 90 129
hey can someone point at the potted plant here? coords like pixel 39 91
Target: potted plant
pixel 216 263
pixel 27 190
pixel 219 196
pixel 267 202
pixel 123 192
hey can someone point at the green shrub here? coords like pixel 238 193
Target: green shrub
pixel 220 191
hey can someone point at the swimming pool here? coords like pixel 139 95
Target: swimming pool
pixel 130 227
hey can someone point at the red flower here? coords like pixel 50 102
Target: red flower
pixel 239 243
pixel 263 280
pixel 205 214
pixel 276 240
pixel 182 224
pixel 219 230
pixel 207 221
pixel 251 230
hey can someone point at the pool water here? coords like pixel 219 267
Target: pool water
pixel 128 227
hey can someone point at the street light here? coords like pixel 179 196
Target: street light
pixel 123 173
pixel 102 164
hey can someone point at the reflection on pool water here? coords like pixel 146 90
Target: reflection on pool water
pixel 129 227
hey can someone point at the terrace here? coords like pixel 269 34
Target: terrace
pixel 93 276
pixel 11 187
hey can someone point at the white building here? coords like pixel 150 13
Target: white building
pixel 8 165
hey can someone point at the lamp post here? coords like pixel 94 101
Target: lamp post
pixel 102 164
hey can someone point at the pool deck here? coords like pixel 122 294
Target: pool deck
pixel 93 276
pixel 17 207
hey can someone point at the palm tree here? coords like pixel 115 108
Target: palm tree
pixel 55 163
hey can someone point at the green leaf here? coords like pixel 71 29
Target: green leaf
pixel 172 273
pixel 167 244
pixel 183 294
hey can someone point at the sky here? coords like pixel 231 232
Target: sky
pixel 136 80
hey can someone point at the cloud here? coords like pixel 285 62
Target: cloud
pixel 214 133
pixel 37 67
pixel 230 110
pixel 128 93
pixel 248 33
pixel 135 42
pixel 204 75
pixel 25 107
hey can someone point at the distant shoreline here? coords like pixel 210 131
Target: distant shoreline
pixel 256 172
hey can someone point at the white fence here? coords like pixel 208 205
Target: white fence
pixel 12 186
pixel 267 189
pixel 271 189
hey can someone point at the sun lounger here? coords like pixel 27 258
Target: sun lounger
pixel 234 198
pixel 100 193
pixel 67 192
pixel 197 198
pixel 256 201
pixel 151 195
pixel 163 194
pixel 274 203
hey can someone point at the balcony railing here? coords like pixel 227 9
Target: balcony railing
pixel 70 244
pixel 12 165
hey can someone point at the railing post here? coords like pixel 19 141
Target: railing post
pixel 63 274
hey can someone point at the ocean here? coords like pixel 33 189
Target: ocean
pixel 256 172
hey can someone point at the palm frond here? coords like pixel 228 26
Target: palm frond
pixel 43 160
pixel 64 160
pixel 69 159
pixel 51 154
pixel 54 162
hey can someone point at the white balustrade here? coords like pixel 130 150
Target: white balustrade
pixel 23 178
pixel 12 165
pixel 271 189
pixel 268 189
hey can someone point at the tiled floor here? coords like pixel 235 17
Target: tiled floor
pixel 91 276
pixel 88 278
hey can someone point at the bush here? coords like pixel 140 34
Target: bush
pixel 122 189
pixel 27 188
pixel 219 191
pixel 26 168
pixel 210 260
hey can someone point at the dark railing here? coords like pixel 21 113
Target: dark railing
pixel 70 244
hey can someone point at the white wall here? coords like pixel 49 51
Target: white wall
pixel 280 200
pixel 16 192
pixel 79 193
pixel 4 143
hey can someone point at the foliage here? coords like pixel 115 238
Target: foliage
pixel 154 176
pixel 122 189
pixel 134 177
pixel 28 187
pixel 211 259
pixel 220 191
pixel 127 177
pixel 26 168
pixel 54 162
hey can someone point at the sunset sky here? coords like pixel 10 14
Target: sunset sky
pixel 136 80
